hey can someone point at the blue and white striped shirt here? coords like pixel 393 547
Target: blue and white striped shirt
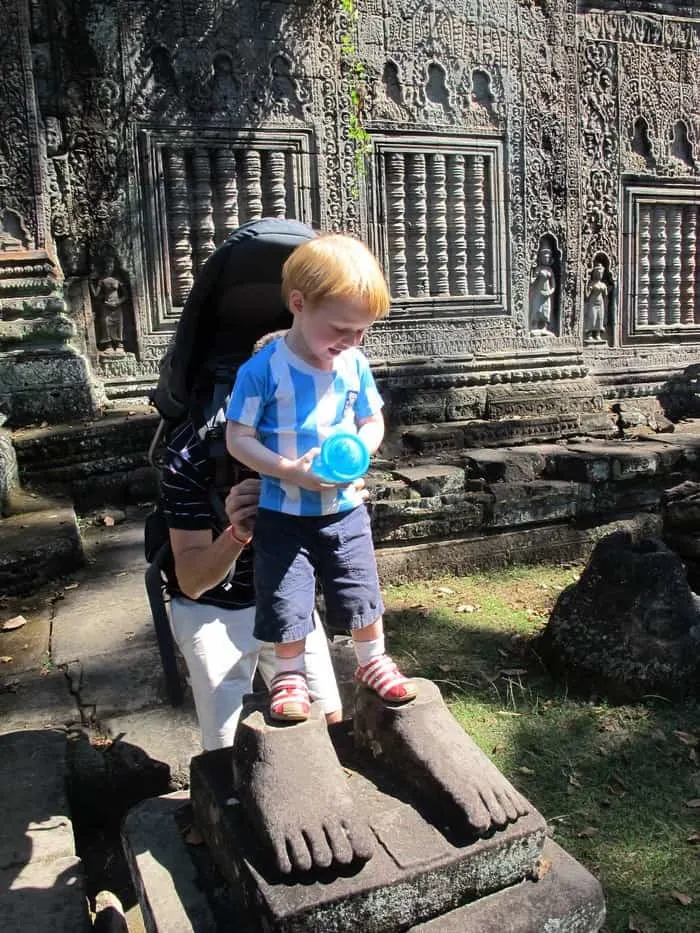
pixel 293 407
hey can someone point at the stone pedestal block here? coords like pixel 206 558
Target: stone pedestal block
pixel 179 892
pixel 45 384
pixel 415 874
pixel 565 898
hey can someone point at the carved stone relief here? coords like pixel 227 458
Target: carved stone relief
pixel 544 290
pixel 648 125
pixel 21 189
pixel 507 134
pixel 598 301
pixel 111 305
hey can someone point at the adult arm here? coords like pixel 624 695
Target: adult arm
pixel 201 561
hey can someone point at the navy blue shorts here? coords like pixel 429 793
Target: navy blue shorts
pixel 291 552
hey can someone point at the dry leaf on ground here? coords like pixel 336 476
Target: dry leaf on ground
pixel 542 867
pixel 588 832
pixel 13 623
pixel 6 659
pixel 693 804
pixel 684 899
pixel 687 738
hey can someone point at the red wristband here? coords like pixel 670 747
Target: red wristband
pixel 242 541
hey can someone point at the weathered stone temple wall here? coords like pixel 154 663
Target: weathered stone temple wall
pixel 534 190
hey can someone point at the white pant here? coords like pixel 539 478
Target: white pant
pixel 221 656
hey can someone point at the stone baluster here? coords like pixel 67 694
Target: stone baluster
pixel 690 266
pixel 673 264
pixel 437 226
pixel 476 234
pixel 657 271
pixel 643 266
pixel 457 244
pixel 697 275
pixel 275 184
pixel 226 207
pixel 417 224
pixel 179 230
pixel 396 223
pixel 251 188
pixel 203 207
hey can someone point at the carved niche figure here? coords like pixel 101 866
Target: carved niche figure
pixel 13 235
pixel 109 294
pixel 224 85
pixel 285 93
pixel 71 254
pixel 543 285
pixel 680 148
pixel 389 97
pixel 162 71
pixel 595 307
pixel 54 136
pixel 42 80
pixel 106 99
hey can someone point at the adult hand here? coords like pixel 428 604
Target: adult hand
pixel 242 505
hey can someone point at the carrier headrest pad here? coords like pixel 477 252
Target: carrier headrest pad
pixel 258 250
pixel 252 307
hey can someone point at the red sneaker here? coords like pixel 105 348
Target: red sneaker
pixel 383 676
pixel 289 697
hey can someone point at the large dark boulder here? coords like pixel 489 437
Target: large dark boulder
pixel 630 625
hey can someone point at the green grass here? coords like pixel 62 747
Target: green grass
pixel 612 781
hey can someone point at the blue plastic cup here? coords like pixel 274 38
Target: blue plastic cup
pixel 344 457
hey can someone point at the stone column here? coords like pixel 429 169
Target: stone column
pixel 42 378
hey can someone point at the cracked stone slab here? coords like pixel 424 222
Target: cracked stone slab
pixel 33 700
pixel 103 615
pixel 164 734
pixel 116 683
pixel 44 897
pixel 34 813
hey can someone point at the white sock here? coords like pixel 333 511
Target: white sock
pixel 294 665
pixel 366 651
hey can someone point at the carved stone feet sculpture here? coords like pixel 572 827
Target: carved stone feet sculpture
pixel 426 748
pixel 294 792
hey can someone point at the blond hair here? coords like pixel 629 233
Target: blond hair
pixel 334 265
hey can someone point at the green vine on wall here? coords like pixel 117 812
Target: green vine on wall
pixel 357 79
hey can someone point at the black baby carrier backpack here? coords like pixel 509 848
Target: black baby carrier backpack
pixel 235 300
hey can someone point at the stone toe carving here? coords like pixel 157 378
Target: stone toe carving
pixel 294 793
pixel 428 750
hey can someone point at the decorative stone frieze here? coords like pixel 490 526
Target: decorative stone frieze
pixel 533 186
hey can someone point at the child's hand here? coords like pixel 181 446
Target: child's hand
pixel 299 473
pixel 361 487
